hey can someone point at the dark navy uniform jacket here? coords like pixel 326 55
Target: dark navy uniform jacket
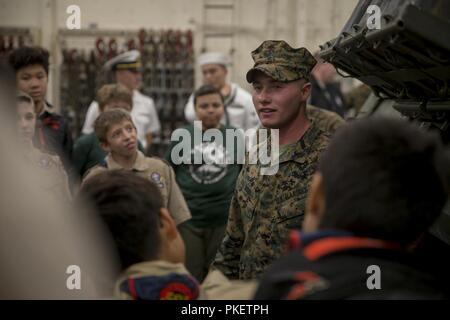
pixel 53 135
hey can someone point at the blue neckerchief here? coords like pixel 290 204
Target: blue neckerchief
pixel 172 286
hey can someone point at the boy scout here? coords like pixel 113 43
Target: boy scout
pixel 150 248
pixel 264 208
pixel 117 134
pixel 49 167
pixel 52 131
pixel 207 187
pixel 86 150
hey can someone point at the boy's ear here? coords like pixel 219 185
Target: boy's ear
pixel 168 226
pixel 105 146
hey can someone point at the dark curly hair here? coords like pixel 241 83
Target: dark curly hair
pixel 26 56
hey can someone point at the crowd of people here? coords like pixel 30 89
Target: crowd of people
pixel 345 195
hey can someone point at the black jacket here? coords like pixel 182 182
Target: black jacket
pixel 53 135
pixel 335 265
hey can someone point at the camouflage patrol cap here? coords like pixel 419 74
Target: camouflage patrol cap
pixel 281 62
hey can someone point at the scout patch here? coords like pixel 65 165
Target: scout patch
pixel 44 162
pixel 156 178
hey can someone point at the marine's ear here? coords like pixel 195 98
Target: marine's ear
pixel 305 89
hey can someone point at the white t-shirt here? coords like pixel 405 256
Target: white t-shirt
pixel 238 104
pixel 144 116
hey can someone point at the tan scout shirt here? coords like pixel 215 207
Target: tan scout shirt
pixel 158 172
pixel 52 176
pixel 265 207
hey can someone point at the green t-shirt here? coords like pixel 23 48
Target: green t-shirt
pixel 207 186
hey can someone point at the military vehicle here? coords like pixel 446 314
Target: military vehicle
pixel 405 58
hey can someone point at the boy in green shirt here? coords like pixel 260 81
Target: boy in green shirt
pixel 150 249
pixel 208 184
pixel 117 134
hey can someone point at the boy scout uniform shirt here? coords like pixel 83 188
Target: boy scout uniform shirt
pixel 52 176
pixel 158 172
pixel 87 153
pixel 265 207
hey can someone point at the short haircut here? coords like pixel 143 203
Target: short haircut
pixel 130 206
pixel 23 97
pixel 384 179
pixel 107 119
pixel 113 92
pixel 206 90
pixel 26 56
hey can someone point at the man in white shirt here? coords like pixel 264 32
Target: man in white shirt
pixel 126 70
pixel 239 109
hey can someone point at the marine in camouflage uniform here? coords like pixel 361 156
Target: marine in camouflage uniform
pixel 328 121
pixel 265 207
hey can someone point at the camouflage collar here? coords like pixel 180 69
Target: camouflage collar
pixel 298 151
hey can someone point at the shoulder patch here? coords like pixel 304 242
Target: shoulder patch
pixel 44 162
pixel 48 160
pixel 157 179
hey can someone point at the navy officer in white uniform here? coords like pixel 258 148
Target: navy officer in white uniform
pixel 126 69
